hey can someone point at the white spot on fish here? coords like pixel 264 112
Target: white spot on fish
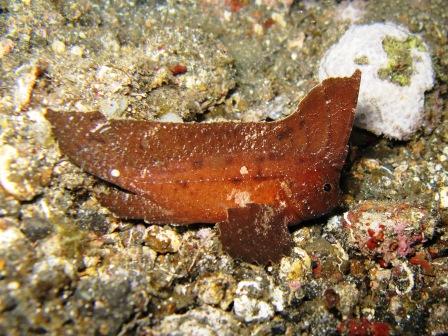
pixel 115 173
pixel 244 171
pixel 241 198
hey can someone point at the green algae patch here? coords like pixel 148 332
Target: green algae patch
pixel 361 60
pixel 399 67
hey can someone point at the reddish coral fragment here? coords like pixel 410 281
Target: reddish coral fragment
pixel 236 5
pixel 317 267
pixel 372 243
pixel 387 229
pixel 207 173
pixel 383 263
pixel 268 23
pixel 380 329
pixel 364 327
pixel 178 69
pixel 420 259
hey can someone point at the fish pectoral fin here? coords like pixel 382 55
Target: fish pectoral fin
pixel 256 233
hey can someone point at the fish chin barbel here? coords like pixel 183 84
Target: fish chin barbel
pixel 253 179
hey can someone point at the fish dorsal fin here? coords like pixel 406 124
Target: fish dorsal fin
pixel 133 153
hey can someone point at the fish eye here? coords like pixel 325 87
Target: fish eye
pixel 327 187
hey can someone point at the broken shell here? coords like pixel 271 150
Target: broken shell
pixel 25 84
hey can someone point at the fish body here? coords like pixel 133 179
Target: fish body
pixel 280 172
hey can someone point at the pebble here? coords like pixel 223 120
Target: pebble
pixel 273 109
pixel 8 154
pixel 202 321
pixel 170 117
pixel 9 236
pixel 443 197
pixel 51 275
pixel 37 220
pixel 25 165
pixel 278 299
pixel 12 175
pixel 348 297
pixel 295 269
pixel 6 46
pixel 113 107
pixel 249 304
pixel 162 239
pixel 252 310
pixel 58 46
pixel 216 289
pixel 77 51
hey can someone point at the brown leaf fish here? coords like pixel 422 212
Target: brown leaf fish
pixel 253 178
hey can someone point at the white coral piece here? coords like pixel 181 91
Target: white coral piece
pixel 384 108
